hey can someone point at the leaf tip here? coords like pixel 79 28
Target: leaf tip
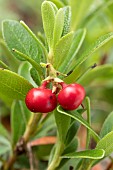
pixel 13 49
pixel 44 4
pixel 103 152
pixel 22 22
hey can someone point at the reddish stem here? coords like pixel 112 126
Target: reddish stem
pixel 63 84
pixel 44 84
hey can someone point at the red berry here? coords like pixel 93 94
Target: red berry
pixel 41 100
pixel 71 96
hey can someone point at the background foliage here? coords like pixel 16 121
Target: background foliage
pixel 90 20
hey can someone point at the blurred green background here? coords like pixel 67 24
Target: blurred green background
pixel 97 18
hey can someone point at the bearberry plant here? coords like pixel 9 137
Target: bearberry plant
pixel 49 94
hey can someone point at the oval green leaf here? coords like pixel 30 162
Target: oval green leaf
pixel 98 73
pixel 4 149
pixel 93 47
pixel 107 126
pixel 19 119
pixel 48 17
pixel 58 26
pixel 72 146
pixel 12 85
pixel 35 76
pixel 89 50
pixel 63 121
pixel 90 154
pixel 78 39
pixel 67 20
pixel 58 3
pixel 17 37
pixel 106 143
pixel 80 119
pixel 4 132
pixel 5 145
pixel 24 72
pixel 73 129
pixel 62 48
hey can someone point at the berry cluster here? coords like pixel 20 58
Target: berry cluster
pixel 43 100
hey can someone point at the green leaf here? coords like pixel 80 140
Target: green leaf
pixel 24 72
pixel 58 3
pixel 90 154
pixel 54 7
pixel 3 65
pixel 78 8
pixel 19 118
pixel 52 153
pixel 12 62
pixel 4 141
pixel 30 60
pixel 62 48
pixel 58 26
pixel 95 12
pixel 65 164
pixel 72 131
pixel 67 20
pixel 106 143
pixel 65 2
pixel 93 47
pixel 35 76
pixel 26 114
pixel 48 17
pixel 12 85
pixel 89 50
pixel 72 146
pixel 4 132
pixel 4 149
pixel 63 122
pixel 107 126
pixel 6 99
pixel 75 115
pixel 17 37
pixel 77 42
pixel 98 73
pixel 39 42
pixel 5 145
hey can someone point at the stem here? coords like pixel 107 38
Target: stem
pixel 50 56
pixel 31 157
pixel 89 121
pixel 56 159
pixel 32 126
pixel 30 130
pixel 9 164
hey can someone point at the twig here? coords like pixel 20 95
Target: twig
pixel 31 157
pixel 20 147
pixel 109 166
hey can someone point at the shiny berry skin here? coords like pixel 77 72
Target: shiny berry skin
pixel 71 96
pixel 41 100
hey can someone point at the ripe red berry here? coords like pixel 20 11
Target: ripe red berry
pixel 41 100
pixel 71 96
